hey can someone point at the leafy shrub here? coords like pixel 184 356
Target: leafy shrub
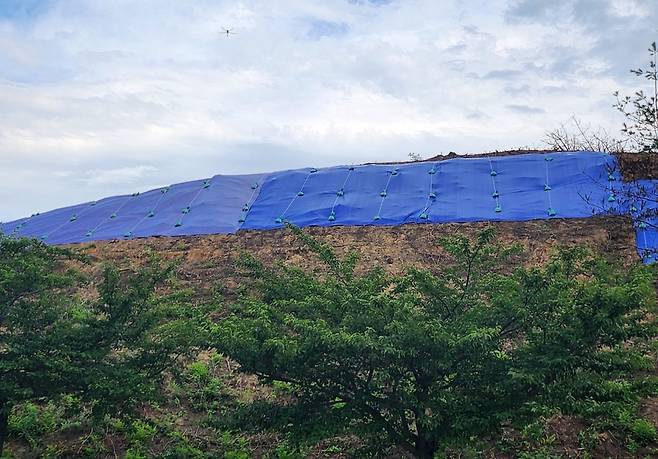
pixel 183 451
pixel 29 421
pixel 134 454
pixel 198 371
pixel 431 359
pixel 141 432
pixel 643 431
pixel 203 386
pixel 111 351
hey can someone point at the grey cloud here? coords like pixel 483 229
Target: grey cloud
pixel 502 74
pixel 518 89
pixel 371 2
pixel 456 49
pixel 476 115
pixel 558 12
pixel 525 109
pixel 619 31
pixel 535 9
pixel 550 89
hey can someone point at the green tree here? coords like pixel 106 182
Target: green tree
pixel 433 359
pixel 108 343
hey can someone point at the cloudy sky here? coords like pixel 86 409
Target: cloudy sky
pixel 102 97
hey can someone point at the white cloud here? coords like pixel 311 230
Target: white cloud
pixel 117 176
pixel 625 8
pixel 116 95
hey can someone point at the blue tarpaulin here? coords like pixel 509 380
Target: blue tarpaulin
pixel 209 206
pixel 520 187
pixel 500 188
pixel 642 205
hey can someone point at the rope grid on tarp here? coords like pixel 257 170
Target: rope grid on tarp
pixel 151 213
pixel 431 195
pixel 186 210
pixel 547 187
pixel 247 205
pixel 71 219
pixel 112 216
pixel 391 173
pixel 496 195
pixel 339 194
pixel 281 218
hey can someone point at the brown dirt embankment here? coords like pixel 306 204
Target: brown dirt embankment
pixel 210 261
pixel 638 166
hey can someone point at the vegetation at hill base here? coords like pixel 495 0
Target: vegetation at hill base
pixel 438 361
pixel 475 358
pixel 108 348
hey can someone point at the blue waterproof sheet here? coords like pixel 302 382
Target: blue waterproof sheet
pixel 642 205
pixel 503 188
pixel 209 206
pixel 521 187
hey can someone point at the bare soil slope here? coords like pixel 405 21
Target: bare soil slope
pixel 210 261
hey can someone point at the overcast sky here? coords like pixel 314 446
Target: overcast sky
pixel 103 97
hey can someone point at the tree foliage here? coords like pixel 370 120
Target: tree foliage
pixel 108 343
pixel 430 359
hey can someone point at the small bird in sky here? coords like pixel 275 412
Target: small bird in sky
pixel 226 32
